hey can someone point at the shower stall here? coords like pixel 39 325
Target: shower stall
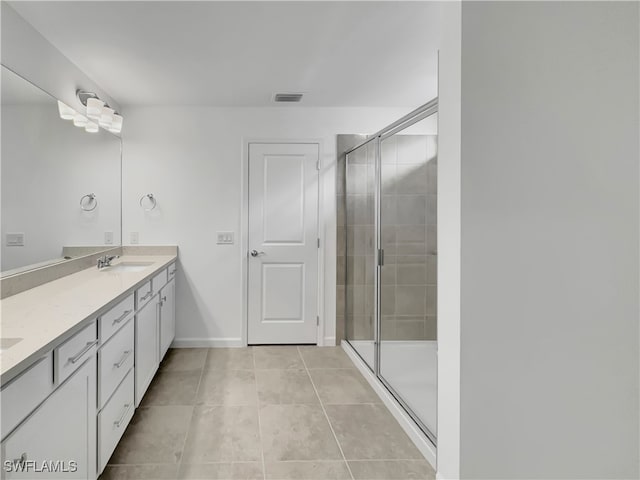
pixel 388 224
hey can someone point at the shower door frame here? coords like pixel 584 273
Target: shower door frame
pixel 428 109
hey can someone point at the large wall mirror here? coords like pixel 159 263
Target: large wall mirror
pixel 61 185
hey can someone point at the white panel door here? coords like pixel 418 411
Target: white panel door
pixel 283 248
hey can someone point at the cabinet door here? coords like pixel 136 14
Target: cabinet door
pixel 58 440
pixel 146 349
pixel 167 317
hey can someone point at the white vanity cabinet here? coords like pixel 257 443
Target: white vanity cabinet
pixel 146 347
pixel 167 314
pixel 155 327
pixel 63 416
pixel 58 440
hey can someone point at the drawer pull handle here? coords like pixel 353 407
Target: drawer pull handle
pixel 20 462
pixel 122 317
pixel 172 272
pixel 147 295
pixel 86 348
pixel 122 360
pixel 117 423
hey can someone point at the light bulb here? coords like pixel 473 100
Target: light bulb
pixel 80 120
pixel 65 111
pixel 116 124
pixel 94 108
pixel 107 117
pixel 91 127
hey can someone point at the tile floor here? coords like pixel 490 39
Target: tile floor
pixel 298 413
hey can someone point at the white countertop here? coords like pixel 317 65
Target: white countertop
pixel 45 315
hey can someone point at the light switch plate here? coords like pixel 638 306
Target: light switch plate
pixel 134 238
pixel 225 238
pixel 108 238
pixel 15 239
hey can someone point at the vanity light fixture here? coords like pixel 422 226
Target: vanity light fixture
pixel 65 111
pixel 80 120
pixel 106 117
pixel 100 112
pixel 91 127
pixel 94 108
pixel 116 124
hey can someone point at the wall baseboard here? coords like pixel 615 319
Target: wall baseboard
pixel 206 342
pixel 419 439
pixel 329 341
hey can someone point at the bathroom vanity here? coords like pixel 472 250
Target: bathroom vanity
pixel 76 357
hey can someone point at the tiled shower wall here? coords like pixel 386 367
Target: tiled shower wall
pixel 408 229
pixel 408 223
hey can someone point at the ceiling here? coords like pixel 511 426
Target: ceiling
pixel 240 53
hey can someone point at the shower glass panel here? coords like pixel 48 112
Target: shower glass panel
pixel 408 274
pixel 390 261
pixel 360 292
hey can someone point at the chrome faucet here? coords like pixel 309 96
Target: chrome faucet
pixel 105 261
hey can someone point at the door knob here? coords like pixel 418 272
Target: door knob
pixel 255 253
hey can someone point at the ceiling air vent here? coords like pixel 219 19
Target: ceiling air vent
pixel 287 97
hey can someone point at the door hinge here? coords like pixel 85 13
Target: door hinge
pixel 318 165
pixel 380 257
pixel 318 243
pixel 318 320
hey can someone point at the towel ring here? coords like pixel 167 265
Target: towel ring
pixel 152 201
pixel 90 199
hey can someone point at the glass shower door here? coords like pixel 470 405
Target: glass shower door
pixel 408 337
pixel 360 292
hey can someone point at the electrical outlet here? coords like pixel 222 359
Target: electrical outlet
pixel 134 238
pixel 108 238
pixel 15 239
pixel 225 238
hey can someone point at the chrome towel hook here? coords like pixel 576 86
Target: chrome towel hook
pixel 151 204
pixel 87 200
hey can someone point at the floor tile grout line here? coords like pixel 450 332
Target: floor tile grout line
pixel 227 462
pixel 193 412
pixel 255 380
pixel 325 415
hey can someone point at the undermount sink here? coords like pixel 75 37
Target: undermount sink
pixel 6 343
pixel 127 267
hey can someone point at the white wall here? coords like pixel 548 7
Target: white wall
pixel 47 166
pixel 550 236
pixel 191 159
pixel 449 244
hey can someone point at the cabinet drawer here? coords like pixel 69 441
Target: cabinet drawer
pixel 144 294
pixel 72 353
pixel 114 418
pixel 171 271
pixel 160 280
pixel 20 397
pixel 115 359
pixel 112 320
